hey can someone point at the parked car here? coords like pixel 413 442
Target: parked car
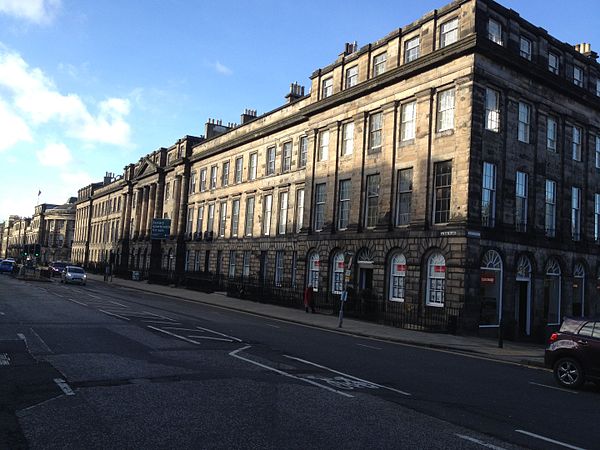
pixel 73 274
pixel 573 353
pixel 57 267
pixel 6 266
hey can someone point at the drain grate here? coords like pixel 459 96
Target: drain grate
pixel 4 359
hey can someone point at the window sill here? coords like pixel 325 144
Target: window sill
pixel 444 133
pixel 434 305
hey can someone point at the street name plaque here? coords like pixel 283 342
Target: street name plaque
pixel 161 228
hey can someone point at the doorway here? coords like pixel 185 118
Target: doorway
pixel 523 308
pixel 365 278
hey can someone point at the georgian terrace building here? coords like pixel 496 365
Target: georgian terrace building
pixel 457 158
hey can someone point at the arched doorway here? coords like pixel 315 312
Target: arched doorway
pixel 365 262
pixel 491 289
pixel 552 292
pixel 579 290
pixel 337 272
pixel 523 296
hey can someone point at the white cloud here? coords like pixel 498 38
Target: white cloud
pixel 221 68
pixel 36 11
pixel 74 181
pixel 12 128
pixel 36 97
pixel 54 155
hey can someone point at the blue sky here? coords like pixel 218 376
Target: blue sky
pixel 88 86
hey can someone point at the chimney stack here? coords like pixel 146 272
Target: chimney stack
pixel 214 127
pixel 247 116
pixel 350 48
pixel 296 92
pixel 586 50
pixel 108 178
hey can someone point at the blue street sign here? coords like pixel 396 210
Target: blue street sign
pixel 161 228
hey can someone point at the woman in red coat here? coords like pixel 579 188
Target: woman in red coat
pixel 309 300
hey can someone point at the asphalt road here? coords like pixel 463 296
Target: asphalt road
pixel 101 366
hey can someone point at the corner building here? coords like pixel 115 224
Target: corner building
pixel 457 158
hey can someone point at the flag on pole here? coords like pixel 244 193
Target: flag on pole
pixel 39 192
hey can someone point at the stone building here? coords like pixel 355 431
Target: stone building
pixel 454 163
pixel 15 236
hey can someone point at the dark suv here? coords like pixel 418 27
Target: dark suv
pixel 573 353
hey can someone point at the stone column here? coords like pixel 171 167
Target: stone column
pixel 183 201
pixel 160 197
pixel 144 216
pixel 176 208
pixel 124 210
pixel 138 212
pixel 151 207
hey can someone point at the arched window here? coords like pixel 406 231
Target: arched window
pixel 436 280
pixel 579 290
pixel 552 292
pixel 523 269
pixel 491 289
pixel 397 277
pixel 337 272
pixel 314 264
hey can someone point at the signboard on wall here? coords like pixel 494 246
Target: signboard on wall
pixel 161 228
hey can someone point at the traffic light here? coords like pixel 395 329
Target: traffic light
pixel 37 249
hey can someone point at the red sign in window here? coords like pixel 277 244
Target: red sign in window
pixel 400 267
pixel 439 268
pixel 488 278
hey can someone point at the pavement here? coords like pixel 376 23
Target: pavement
pixel 512 352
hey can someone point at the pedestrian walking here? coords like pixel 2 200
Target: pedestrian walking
pixel 106 272
pixel 309 298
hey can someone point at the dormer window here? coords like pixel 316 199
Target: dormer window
pixel 495 31
pixel 327 88
pixel 553 62
pixel 379 64
pixel 525 48
pixel 577 76
pixel 351 77
pixel 449 33
pixel 411 49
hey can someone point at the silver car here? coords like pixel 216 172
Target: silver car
pixel 73 274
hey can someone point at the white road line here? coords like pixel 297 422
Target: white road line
pixel 346 375
pixel 160 322
pixel 2 314
pixel 21 336
pixel 94 296
pixel 211 338
pixel 162 317
pixel 544 438
pixel 285 374
pixel 118 304
pixel 4 359
pixel 554 387
pixel 75 301
pixel 174 335
pixel 477 441
pixel 181 329
pixel 269 325
pixel 220 334
pixel 369 346
pixel 114 315
pixel 41 341
pixel 64 386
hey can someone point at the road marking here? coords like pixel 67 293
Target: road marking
pixel 369 346
pixel 269 325
pixel 554 387
pixel 2 314
pixel 41 340
pixel 162 317
pixel 285 374
pixel 160 322
pixel 346 375
pixel 79 303
pixel 113 314
pixel 211 338
pixel 94 296
pixel 118 304
pixel 181 329
pixel 543 438
pixel 477 441
pixel 64 386
pixel 220 334
pixel 4 359
pixel 21 336
pixel 174 335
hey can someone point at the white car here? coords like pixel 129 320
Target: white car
pixel 73 274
